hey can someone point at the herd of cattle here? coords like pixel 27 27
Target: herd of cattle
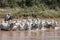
pixel 27 24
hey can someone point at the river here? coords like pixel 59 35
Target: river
pixel 30 35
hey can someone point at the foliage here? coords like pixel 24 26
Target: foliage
pixel 41 8
pixel 52 4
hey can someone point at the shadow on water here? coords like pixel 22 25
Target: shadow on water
pixel 30 35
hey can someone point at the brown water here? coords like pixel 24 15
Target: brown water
pixel 30 35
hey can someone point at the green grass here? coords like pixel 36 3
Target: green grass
pixel 17 12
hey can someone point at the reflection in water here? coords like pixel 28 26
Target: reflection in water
pixel 30 35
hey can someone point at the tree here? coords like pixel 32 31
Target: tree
pixel 3 3
pixel 12 3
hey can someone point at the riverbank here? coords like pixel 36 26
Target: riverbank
pixel 18 12
pixel 56 19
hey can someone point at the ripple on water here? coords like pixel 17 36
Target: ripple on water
pixel 30 35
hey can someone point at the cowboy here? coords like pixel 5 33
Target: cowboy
pixel 8 17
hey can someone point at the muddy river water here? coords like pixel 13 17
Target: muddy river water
pixel 30 35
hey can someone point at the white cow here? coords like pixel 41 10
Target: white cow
pixel 29 23
pixel 43 24
pixel 35 24
pixel 5 25
pixel 23 24
pixel 16 25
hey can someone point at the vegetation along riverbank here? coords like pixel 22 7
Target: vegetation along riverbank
pixel 42 9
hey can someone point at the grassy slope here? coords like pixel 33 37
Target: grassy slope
pixel 40 12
